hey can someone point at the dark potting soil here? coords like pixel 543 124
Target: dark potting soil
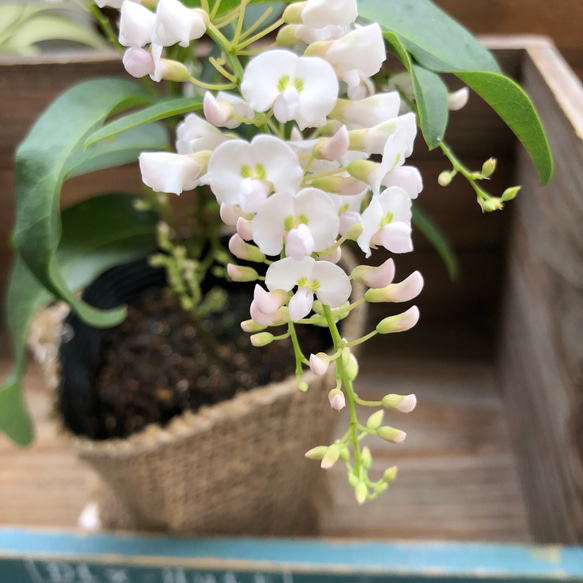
pixel 154 365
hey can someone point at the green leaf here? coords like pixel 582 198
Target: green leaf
pixel 430 95
pixel 514 106
pixel 98 233
pixel 50 151
pixel 47 27
pixel 436 40
pixel 439 241
pixel 158 111
pixel 122 149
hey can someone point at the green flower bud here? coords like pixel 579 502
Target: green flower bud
pixel 391 434
pixel 361 169
pixel 344 454
pixel 173 70
pixel 286 35
pixel 380 487
pixel 317 453
pixel 400 322
pixel 402 403
pixel 491 204
pixel 293 13
pixel 251 326
pixel 303 386
pixel 510 193
pixel 353 480
pixel 354 231
pixel 390 474
pixel 445 178
pixel 331 456
pixel 262 339
pixel 375 420
pixel 488 167
pixel 360 492
pixel 366 458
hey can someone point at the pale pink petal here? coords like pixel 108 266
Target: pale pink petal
pixel 195 134
pixel 300 305
pixel 138 62
pixel 406 177
pixel 285 273
pixel 299 242
pixel 287 105
pixel 268 224
pixel 396 237
pixel 322 216
pixel 253 194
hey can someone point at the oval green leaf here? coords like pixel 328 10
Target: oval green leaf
pixel 514 106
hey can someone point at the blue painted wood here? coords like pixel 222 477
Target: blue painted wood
pixel 30 556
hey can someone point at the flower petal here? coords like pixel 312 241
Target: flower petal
pixel 335 287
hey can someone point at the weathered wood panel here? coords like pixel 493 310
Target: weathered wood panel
pixel 542 343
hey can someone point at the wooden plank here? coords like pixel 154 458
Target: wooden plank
pixel 542 353
pixel 53 557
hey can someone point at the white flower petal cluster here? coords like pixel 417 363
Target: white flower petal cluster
pixel 294 198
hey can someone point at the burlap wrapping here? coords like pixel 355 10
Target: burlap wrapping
pixel 237 467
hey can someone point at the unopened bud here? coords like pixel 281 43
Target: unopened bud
pixel 319 363
pixel 172 70
pixel 353 480
pixel 331 456
pixel 360 492
pixel 293 13
pixel 488 167
pixel 491 204
pixel 262 339
pixel 303 386
pixel 380 487
pixel 375 277
pixel 445 178
pixel 217 114
pixel 390 474
pixel 391 434
pixel 332 148
pixel 336 399
pixel 404 291
pixel 375 420
pixel 317 453
pixel 241 273
pixel 344 454
pixel 354 231
pixel 243 250
pixel 402 403
pixel 251 326
pixel 458 99
pixel 400 322
pixel 286 36
pixel 510 193
pixel 362 169
pixel 366 458
pixel 340 185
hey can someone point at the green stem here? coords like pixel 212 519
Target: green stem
pixel 229 51
pixel 105 25
pixel 463 170
pixel 363 339
pixel 339 344
pixel 299 355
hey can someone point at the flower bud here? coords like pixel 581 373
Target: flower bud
pixel 404 291
pixel 510 193
pixel 333 257
pixel 277 318
pixel 286 35
pixel 216 113
pixel 230 214
pixel 317 453
pixel 332 148
pixel 362 169
pixel 391 434
pixel 351 368
pixel 354 231
pixel 241 273
pixel 138 62
pixel 345 454
pixel 402 403
pixel 336 399
pixel 331 456
pixel 380 487
pixel 491 204
pixel 251 326
pixel 488 167
pixel 353 480
pixel 293 13
pixel 375 277
pixel 262 339
pixel 458 99
pixel 366 458
pixel 303 386
pixel 375 420
pixel 400 322
pixel 339 185
pixel 360 492
pixel 319 363
pixel 244 229
pixel 243 250
pixel 170 70
pixel 269 301
pixel 390 474
pixel 445 178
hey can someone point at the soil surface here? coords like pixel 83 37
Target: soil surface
pixel 155 366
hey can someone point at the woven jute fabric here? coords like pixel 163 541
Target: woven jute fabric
pixel 237 467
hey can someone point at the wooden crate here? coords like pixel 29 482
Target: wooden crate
pixel 460 476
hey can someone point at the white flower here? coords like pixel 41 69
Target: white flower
pixel 321 13
pixel 166 172
pixel 175 23
pixel 306 223
pixel 373 140
pixel 357 55
pixel 387 222
pixel 303 89
pixel 136 25
pixel 310 35
pixel 266 159
pixel 220 110
pixel 138 62
pixel 328 281
pixel 365 113
pixel 195 134
pixel 458 99
pixel 406 177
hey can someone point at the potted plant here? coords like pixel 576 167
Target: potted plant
pixel 300 152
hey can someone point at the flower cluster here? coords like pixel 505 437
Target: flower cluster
pixel 322 163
